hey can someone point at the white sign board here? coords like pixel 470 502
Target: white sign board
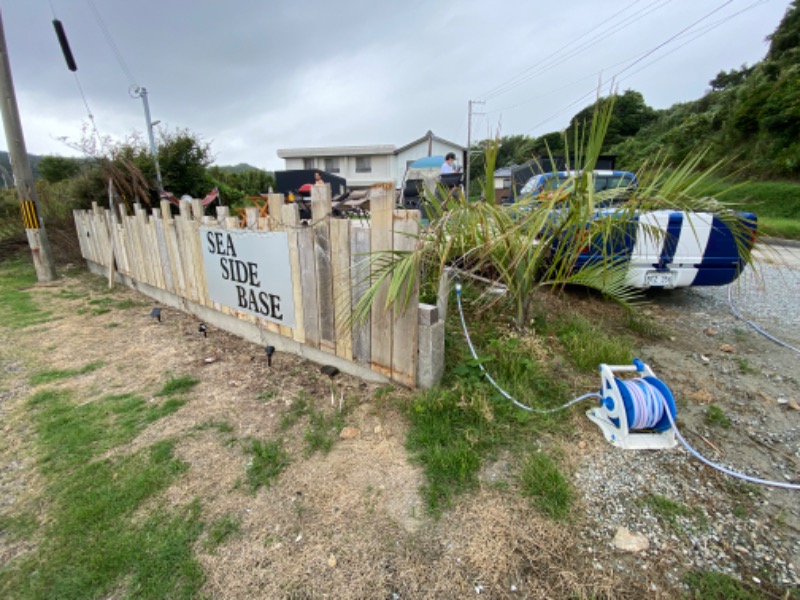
pixel 249 271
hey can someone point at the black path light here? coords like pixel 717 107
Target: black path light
pixel 331 372
pixel 203 329
pixel 156 313
pixel 270 350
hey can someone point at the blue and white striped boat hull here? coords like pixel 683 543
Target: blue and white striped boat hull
pixel 672 249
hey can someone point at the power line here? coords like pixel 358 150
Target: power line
pixel 638 60
pixel 558 89
pixel 694 36
pixel 111 43
pixel 670 39
pixel 85 102
pixel 559 56
pixel 698 34
pixel 73 67
pixel 494 91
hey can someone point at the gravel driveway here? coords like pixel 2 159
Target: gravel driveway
pixel 680 513
pixel 768 293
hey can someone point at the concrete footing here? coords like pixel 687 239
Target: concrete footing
pixel 431 334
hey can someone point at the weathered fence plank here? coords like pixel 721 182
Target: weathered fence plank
pixel 138 243
pixel 320 214
pixel 405 337
pixel 80 230
pixel 381 207
pixel 359 281
pixel 165 271
pixel 172 248
pixel 340 263
pixel 197 250
pixel 308 284
pixel 185 248
pixel 291 221
pixel 277 224
pixel 275 207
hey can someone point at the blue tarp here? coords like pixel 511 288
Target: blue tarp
pixel 427 162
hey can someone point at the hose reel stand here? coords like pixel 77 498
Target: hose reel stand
pixel 633 412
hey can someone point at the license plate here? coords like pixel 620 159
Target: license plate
pixel 660 278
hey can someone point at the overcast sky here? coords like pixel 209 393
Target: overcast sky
pixel 252 76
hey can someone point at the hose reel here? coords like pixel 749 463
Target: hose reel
pixel 633 412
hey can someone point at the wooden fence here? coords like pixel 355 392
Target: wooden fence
pixel 327 256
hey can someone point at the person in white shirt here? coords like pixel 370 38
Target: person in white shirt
pixel 449 166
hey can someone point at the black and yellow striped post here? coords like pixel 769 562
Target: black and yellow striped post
pixel 30 217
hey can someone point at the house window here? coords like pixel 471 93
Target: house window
pixel 363 164
pixel 332 165
pixel 308 163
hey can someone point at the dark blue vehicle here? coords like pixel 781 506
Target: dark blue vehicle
pixel 613 186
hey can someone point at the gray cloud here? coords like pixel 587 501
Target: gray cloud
pixel 251 77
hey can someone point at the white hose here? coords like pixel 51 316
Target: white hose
pixel 494 383
pixel 650 407
pixel 756 327
pixel 646 408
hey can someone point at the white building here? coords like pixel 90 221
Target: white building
pixel 502 184
pixel 363 166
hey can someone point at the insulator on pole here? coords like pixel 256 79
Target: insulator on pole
pixel 65 49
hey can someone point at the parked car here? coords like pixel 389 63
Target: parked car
pixel 615 185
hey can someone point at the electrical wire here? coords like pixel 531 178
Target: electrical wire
pixel 696 35
pixel 635 62
pixel 89 112
pixel 584 43
pixel 114 48
pixel 673 37
pixel 649 408
pixel 691 38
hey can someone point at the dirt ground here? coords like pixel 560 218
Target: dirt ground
pixel 351 524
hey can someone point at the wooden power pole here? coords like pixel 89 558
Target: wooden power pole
pixel 470 112
pixel 23 178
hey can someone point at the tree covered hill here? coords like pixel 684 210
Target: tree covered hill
pixel 6 176
pixel 750 115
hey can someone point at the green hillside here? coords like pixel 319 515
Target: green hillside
pixel 750 116
pixel 6 177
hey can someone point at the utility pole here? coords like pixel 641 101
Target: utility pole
pixel 469 137
pixel 141 92
pixel 23 178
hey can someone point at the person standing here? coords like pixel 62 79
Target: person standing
pixel 449 164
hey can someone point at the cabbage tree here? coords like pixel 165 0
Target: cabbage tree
pixel 537 242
